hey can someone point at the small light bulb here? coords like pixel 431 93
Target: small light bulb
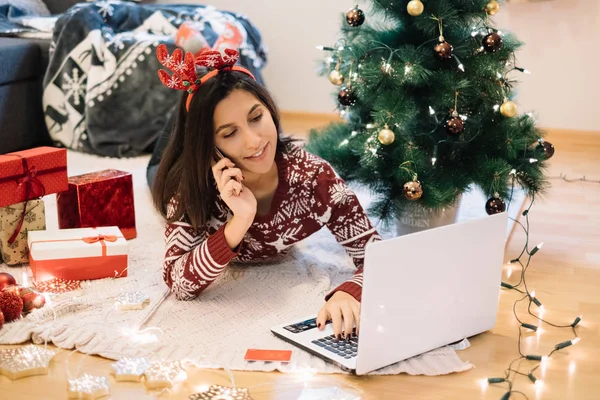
pixel 496 107
pixel 330 60
pixel 354 133
pixel 576 340
pixel 499 33
pixel 544 359
pixel 344 142
pixel 461 67
pixel 431 111
pixel 320 47
pixel 499 75
pixel 539 383
pixel 483 383
pixel 201 388
pixel 433 160
pixel 474 33
pixel 525 71
pixel 369 126
pixel 513 171
pixel 532 294
pixel 340 48
pixel 533 160
pixel 407 69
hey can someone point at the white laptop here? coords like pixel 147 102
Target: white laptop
pixel 420 291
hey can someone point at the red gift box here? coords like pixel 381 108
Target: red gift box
pixel 33 173
pixel 78 254
pixel 103 198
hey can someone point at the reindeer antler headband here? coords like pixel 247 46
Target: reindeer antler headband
pixel 184 71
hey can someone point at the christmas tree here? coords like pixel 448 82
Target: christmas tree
pixel 425 88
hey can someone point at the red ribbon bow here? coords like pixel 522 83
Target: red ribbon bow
pixel 28 179
pixel 101 239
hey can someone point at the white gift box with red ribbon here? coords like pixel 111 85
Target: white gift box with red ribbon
pixel 78 254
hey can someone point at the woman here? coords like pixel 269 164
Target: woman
pixel 232 188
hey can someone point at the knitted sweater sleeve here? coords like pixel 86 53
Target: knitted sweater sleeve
pixel 193 257
pixel 346 219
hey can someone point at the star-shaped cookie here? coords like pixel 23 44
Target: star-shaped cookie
pixel 25 361
pixel 164 374
pixel 88 387
pixel 130 369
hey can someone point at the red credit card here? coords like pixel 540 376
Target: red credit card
pixel 268 355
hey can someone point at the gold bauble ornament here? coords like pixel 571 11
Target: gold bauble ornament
pixel 413 190
pixel 336 78
pixel 492 7
pixel 415 8
pixel 386 136
pixel 508 109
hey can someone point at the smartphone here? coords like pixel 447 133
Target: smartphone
pixel 218 154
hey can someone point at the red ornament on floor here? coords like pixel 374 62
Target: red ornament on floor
pixel 31 300
pixel 11 305
pixel 6 279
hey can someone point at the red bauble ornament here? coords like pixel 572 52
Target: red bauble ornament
pixel 355 17
pixel 346 97
pixel 492 42
pixel 443 50
pixel 11 305
pixel 546 148
pixel 495 205
pixel 6 280
pixel 454 126
pixel 31 300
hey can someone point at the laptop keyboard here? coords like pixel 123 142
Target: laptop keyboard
pixel 342 347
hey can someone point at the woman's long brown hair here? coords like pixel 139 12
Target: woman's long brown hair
pixel 184 171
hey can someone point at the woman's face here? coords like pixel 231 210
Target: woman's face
pixel 245 132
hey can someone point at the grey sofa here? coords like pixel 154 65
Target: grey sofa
pixel 23 63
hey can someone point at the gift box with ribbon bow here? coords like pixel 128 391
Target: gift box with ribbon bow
pixel 102 198
pixel 78 254
pixel 14 225
pixel 31 174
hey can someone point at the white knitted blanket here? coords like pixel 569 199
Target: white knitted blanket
pixel 215 330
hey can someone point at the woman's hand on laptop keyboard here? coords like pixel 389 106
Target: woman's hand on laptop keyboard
pixel 343 310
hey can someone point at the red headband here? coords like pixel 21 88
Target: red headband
pixel 184 70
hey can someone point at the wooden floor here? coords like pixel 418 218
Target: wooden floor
pixel 565 275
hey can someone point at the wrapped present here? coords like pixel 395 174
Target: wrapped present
pixel 30 174
pixel 103 198
pixel 15 222
pixel 78 254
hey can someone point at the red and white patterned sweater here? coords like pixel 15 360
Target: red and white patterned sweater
pixel 309 196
